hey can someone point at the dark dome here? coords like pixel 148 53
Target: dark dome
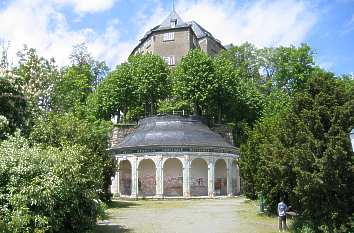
pixel 173 131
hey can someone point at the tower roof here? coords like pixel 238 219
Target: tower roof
pixel 173 16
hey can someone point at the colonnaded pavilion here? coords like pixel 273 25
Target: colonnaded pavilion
pixel 174 156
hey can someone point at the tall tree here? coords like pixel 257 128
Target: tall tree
pixel 77 81
pixel 38 74
pixel 151 79
pixel 115 94
pixel 306 156
pixel 286 68
pixel 195 80
pixel 13 104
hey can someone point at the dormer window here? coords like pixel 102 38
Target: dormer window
pixel 173 23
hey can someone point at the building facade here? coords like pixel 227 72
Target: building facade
pixel 174 156
pixel 173 38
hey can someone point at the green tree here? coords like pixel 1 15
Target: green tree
pixel 115 94
pixel 46 189
pixel 77 81
pixel 245 60
pixel 38 76
pixel 195 80
pixel 287 68
pixel 305 155
pixel 68 129
pixel 236 96
pixel 151 80
pixel 13 105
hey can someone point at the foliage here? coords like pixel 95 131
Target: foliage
pixel 194 80
pixel 151 80
pixel 286 68
pixel 47 189
pixel 38 75
pixel 237 96
pixel 60 130
pixel 13 105
pixel 81 57
pixel 114 94
pixel 140 83
pixel 77 81
pixel 171 105
pixel 275 106
pixel 304 154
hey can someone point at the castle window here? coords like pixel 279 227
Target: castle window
pixel 170 60
pixel 169 36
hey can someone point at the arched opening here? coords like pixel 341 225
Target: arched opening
pixel 125 178
pixel 199 177
pixel 147 178
pixel 220 177
pixel 173 177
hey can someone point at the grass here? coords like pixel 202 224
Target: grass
pixel 249 210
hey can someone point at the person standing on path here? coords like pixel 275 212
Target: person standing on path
pixel 282 207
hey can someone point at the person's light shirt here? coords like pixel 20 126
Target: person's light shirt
pixel 282 209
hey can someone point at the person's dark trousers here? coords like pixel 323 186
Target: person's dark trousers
pixel 282 223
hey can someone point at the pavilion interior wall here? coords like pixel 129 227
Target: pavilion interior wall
pixel 199 177
pixel 147 178
pixel 220 177
pixel 125 177
pixel 173 177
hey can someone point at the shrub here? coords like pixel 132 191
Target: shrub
pixel 44 189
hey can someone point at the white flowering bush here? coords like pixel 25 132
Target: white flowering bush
pixel 45 189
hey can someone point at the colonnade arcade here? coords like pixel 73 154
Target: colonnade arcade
pixel 176 176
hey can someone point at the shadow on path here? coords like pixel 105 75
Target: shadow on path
pixel 121 204
pixel 111 229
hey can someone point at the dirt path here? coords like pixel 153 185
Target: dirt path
pixel 214 216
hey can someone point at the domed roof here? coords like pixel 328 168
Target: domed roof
pixel 173 132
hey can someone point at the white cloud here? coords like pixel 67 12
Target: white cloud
pixel 83 6
pixel 40 24
pixel 263 23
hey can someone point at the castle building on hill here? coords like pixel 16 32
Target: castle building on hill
pixel 173 38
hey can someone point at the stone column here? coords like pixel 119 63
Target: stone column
pixel 238 180
pixel 229 177
pixel 117 191
pixel 186 177
pixel 211 178
pixel 159 177
pixel 135 177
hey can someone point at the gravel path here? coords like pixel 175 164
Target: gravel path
pixel 180 216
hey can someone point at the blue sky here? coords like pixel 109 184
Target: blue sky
pixel 111 28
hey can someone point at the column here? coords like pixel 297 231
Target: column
pixel 238 180
pixel 186 177
pixel 211 177
pixel 229 177
pixel 159 177
pixel 114 187
pixel 117 179
pixel 135 176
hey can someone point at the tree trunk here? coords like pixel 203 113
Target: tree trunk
pixel 197 111
pixel 219 114
pixel 152 109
